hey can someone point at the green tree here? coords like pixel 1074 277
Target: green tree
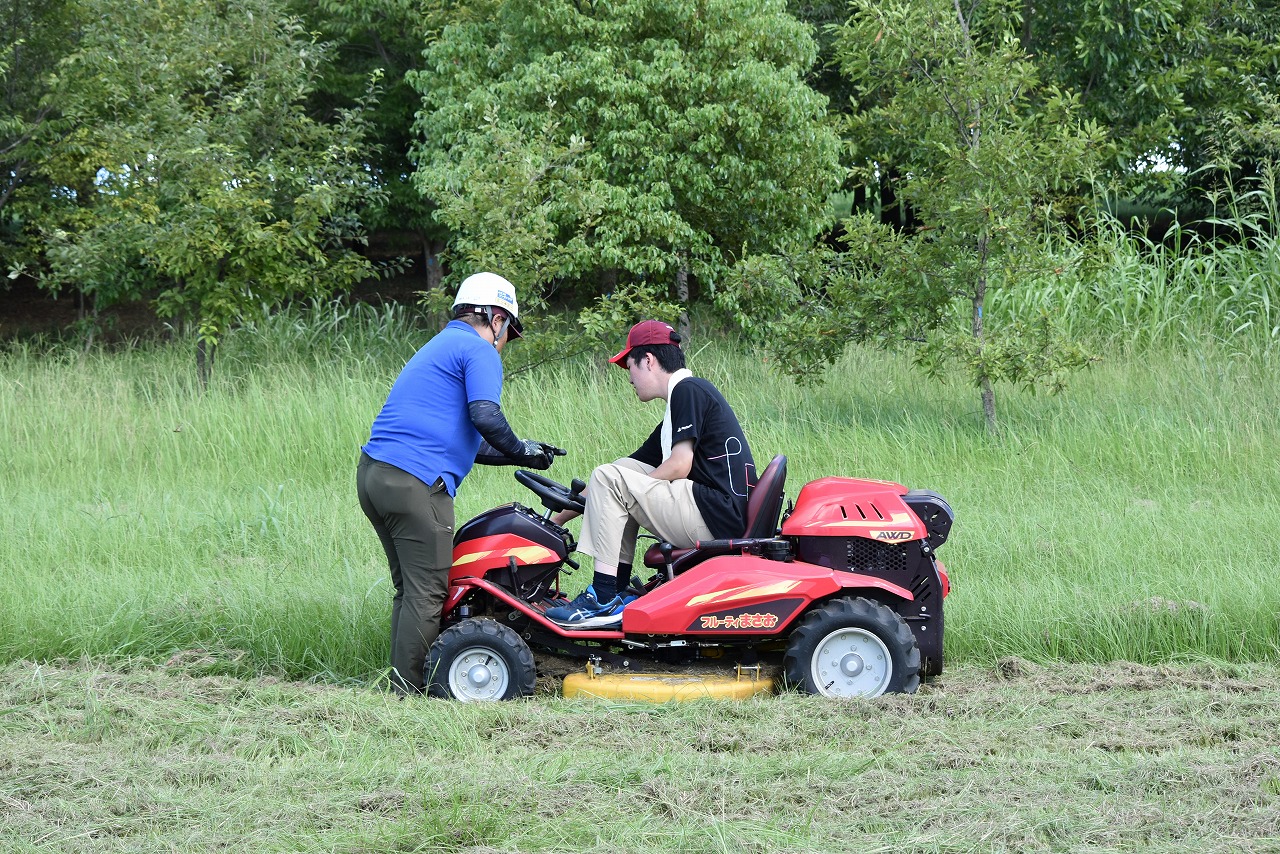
pixel 1186 88
pixel 197 169
pixel 1179 83
pixel 988 159
pixel 384 37
pixel 624 147
pixel 35 37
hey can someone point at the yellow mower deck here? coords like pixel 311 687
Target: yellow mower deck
pixel 666 687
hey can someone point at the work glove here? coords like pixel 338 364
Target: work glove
pixel 537 455
pixel 552 449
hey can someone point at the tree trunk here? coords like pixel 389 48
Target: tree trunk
pixel 682 296
pixel 608 280
pixel 87 317
pixel 205 351
pixel 989 406
pixel 431 250
pixel 979 299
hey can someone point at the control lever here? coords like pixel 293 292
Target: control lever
pixel 666 549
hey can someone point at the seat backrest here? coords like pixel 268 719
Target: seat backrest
pixel 765 502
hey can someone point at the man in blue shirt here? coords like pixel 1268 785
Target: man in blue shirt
pixel 441 417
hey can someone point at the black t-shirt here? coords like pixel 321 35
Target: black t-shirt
pixel 722 464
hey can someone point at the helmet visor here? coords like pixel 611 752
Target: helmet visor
pixel 514 329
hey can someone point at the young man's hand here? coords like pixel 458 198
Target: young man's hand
pixel 678 465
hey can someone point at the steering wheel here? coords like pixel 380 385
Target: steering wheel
pixel 555 496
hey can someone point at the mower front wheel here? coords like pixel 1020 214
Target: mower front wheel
pixel 853 647
pixel 478 660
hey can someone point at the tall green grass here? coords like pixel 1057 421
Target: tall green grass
pixel 1129 518
pixel 1125 289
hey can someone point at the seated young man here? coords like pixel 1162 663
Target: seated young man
pixel 687 483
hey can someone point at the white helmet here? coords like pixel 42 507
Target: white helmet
pixel 481 291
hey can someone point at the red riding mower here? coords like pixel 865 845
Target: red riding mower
pixel 847 593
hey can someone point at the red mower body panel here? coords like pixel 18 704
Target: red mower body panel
pixel 740 595
pixel 852 507
pixel 880 529
pixel 479 556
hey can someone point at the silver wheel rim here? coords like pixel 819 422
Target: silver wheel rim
pixel 851 663
pixel 477 674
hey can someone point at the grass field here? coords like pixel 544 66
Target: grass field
pixel 193 609
pixel 1009 758
pixel 1125 519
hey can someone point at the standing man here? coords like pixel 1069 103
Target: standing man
pixel 688 481
pixel 441 417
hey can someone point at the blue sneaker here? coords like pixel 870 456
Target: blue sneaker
pixel 586 612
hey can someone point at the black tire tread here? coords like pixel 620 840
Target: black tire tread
pixel 850 612
pixel 503 640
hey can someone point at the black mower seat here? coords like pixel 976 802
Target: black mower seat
pixel 763 507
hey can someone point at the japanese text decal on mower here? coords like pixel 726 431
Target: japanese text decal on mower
pixel 740 621
pixel 763 617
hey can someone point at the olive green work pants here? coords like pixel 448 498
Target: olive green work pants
pixel 415 524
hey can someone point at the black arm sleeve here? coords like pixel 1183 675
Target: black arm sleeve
pixel 488 456
pixel 493 427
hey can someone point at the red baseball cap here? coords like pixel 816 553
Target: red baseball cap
pixel 646 332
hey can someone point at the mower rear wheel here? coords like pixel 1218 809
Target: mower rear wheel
pixel 479 660
pixel 853 648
